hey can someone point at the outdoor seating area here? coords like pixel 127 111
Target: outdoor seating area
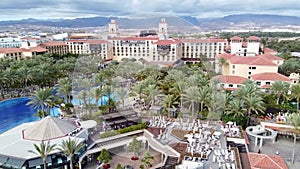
pixel 231 130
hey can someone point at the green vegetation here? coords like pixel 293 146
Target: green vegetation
pixel 135 146
pixel 124 130
pixel 104 156
pixel 43 150
pixel 146 160
pixel 70 148
pixel 228 35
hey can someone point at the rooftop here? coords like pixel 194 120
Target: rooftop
pixel 263 161
pixel 270 76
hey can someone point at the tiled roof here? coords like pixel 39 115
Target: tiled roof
pixel 236 38
pixel 54 43
pixel 225 56
pixel 230 79
pixel 19 50
pixel 270 77
pixel 263 161
pixel 270 57
pixel 253 38
pixel 268 50
pixel 251 60
pixel 167 42
pixel 203 40
pixel 10 50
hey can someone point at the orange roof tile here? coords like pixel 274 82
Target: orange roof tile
pixel 225 56
pixel 267 86
pixel 230 79
pixel 203 40
pixel 270 57
pixel 236 38
pixel 268 50
pixel 270 77
pixel 10 50
pixel 263 161
pixel 251 60
pixel 253 38
pixel 54 43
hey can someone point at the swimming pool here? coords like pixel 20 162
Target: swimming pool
pixel 14 112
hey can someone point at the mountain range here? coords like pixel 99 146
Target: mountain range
pixel 176 24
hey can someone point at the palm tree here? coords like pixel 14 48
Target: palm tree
pixel 25 76
pixel 122 94
pixel 280 88
pixel 70 148
pixel 43 150
pixel 65 88
pixel 296 94
pixel 236 108
pixel 253 104
pixel 204 95
pixel 179 88
pixel 191 96
pixel 168 102
pixel 223 63
pixel 97 93
pixel 295 121
pixel 138 89
pixel 41 99
pixel 152 92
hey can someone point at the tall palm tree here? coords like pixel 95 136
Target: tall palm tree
pixel 204 96
pixel 41 99
pixel 70 148
pixel 25 76
pixel 236 108
pixel 253 104
pixel 44 149
pixel 65 88
pixel 122 94
pixel 296 94
pixel 97 93
pixel 295 121
pixel 280 88
pixel 191 96
pixel 246 90
pixel 138 89
pixel 152 93
pixel 178 88
pixel 168 102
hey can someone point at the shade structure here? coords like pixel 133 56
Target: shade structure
pixel 49 128
pixel 88 124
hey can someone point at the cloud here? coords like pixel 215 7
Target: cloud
pixel 20 9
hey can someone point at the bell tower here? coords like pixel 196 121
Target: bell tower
pixel 163 29
pixel 113 28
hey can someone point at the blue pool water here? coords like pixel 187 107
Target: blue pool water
pixel 14 112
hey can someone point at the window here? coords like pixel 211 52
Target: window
pixel 268 83
pixel 230 85
pixel 253 68
pixel 249 73
pixel 233 66
pixel 233 72
pixel 258 83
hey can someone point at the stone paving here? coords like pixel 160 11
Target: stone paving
pixel 283 145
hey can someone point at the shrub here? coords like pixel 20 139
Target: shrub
pixel 124 130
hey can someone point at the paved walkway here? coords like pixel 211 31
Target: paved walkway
pixel 283 145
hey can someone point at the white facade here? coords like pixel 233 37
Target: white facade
pixel 113 29
pixel 163 29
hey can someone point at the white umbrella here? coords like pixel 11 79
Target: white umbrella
pixel 229 123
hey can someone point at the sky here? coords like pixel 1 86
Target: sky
pixel 69 9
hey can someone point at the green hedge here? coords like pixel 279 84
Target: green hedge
pixel 124 130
